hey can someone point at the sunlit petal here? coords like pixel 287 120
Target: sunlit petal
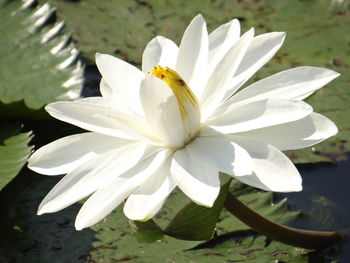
pixel 293 84
pixel 193 55
pixel 66 154
pixel 220 79
pixel 220 42
pixel 259 114
pixel 123 78
pixel 273 171
pixel 221 155
pixel 162 111
pixel 199 183
pixel 147 200
pixel 260 51
pixel 102 202
pixel 91 176
pixel 159 51
pixel 306 132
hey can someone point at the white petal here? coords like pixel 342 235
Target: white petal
pixel 221 40
pixel 97 118
pixel 273 171
pixel 293 84
pixel 193 55
pixel 260 51
pixel 159 51
pixel 123 78
pixel 91 176
pixel 114 102
pixel 221 155
pixel 64 155
pixel 105 90
pixel 102 202
pixel 295 135
pixel 219 80
pixel 162 111
pixel 149 198
pixel 259 114
pixel 199 183
pixel 118 102
pixel 108 103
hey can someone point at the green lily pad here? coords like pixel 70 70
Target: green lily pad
pixel 39 62
pixel 260 201
pixel 117 241
pixel 192 221
pixel 14 151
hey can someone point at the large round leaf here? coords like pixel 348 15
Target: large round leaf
pixel 39 63
pixel 14 151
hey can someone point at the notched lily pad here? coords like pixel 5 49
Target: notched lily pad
pixel 14 151
pixel 39 62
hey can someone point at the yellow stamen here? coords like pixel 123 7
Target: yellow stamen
pixel 182 92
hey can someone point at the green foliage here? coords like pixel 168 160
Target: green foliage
pixel 190 221
pixel 261 202
pixel 117 242
pixel 39 63
pixel 14 151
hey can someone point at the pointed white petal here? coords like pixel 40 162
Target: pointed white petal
pixel 112 101
pixel 91 176
pixel 219 80
pixel 193 55
pixel 273 171
pixel 108 103
pixel 224 37
pixel 221 155
pixel 199 183
pixel 105 90
pixel 221 40
pixel 159 51
pixel 102 202
pixel 97 118
pixel 123 78
pixel 162 111
pixel 64 155
pixel 149 198
pixel 259 114
pixel 260 51
pixel 293 84
pixel 295 135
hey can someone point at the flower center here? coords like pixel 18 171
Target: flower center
pixel 187 101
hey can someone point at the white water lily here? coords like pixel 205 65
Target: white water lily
pixel 179 122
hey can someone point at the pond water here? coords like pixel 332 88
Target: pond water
pixel 325 201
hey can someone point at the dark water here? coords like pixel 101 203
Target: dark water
pixel 325 201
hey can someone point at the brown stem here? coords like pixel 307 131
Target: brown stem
pixel 288 235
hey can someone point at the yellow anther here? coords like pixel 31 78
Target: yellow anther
pixel 183 93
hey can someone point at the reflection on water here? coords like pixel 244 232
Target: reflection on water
pixel 325 200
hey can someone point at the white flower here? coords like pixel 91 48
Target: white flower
pixel 179 122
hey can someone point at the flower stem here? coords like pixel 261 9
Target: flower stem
pixel 288 235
